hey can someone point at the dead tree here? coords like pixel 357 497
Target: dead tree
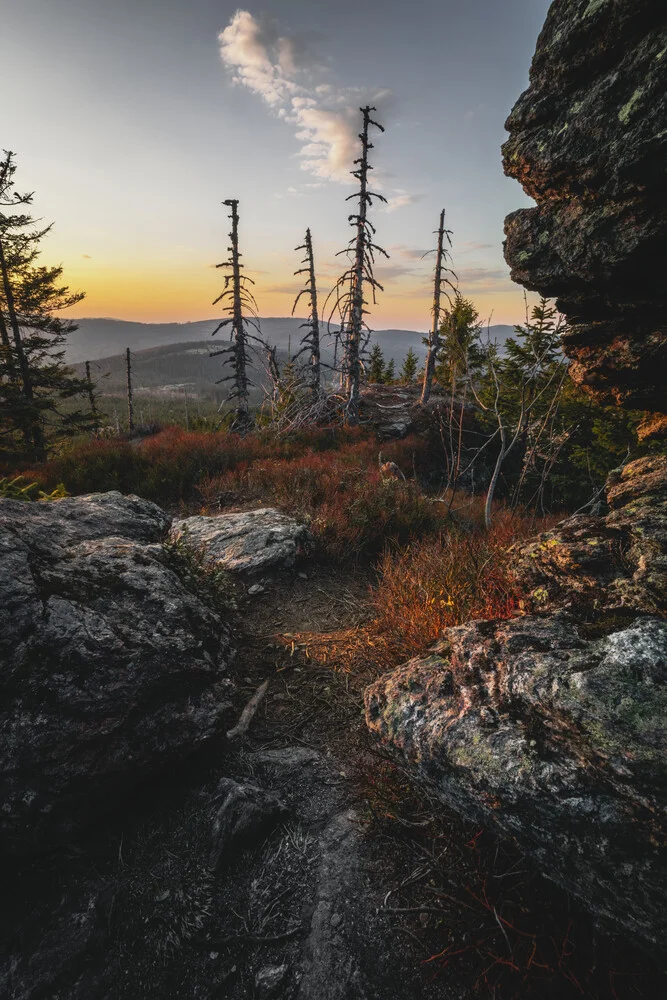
pixel 441 284
pixel 130 400
pixel 349 289
pixel 311 341
pixel 238 302
pixel 91 399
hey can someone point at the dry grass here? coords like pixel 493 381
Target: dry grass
pixel 462 573
pixel 352 512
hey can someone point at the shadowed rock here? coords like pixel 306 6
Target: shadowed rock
pixel 593 564
pixel 588 141
pixel 111 667
pixel 249 542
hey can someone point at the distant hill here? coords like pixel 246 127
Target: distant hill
pixel 98 339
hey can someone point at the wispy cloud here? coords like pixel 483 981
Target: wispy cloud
pixel 400 199
pixel 283 71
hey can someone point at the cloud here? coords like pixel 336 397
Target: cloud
pixel 470 246
pixel 484 280
pixel 279 69
pixel 411 253
pixel 86 256
pixel 389 272
pixel 400 199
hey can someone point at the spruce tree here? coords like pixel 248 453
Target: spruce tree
pixel 376 365
pixel 34 380
pixel 409 367
pixel 461 353
pixel 390 372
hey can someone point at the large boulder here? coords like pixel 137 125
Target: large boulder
pixel 551 727
pixel 252 541
pixel 588 141
pixel 110 666
pixel 554 738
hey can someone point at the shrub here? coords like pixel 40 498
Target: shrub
pixel 351 510
pixel 20 488
pixel 456 577
pixel 168 467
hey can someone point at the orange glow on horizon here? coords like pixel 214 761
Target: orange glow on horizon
pixel 179 295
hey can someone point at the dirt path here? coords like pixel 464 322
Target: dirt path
pixel 298 863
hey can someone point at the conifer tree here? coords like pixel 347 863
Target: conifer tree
pixel 461 353
pixel 409 367
pixel 34 380
pixel 390 372
pixel 376 365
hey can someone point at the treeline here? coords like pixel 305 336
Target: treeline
pixel 540 441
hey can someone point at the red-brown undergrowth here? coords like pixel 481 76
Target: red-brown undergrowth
pixel 168 467
pixel 351 509
pixel 461 573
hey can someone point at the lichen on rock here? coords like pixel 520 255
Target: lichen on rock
pixel 111 666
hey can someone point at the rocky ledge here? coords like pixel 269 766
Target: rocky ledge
pixel 111 666
pixel 588 141
pixel 607 564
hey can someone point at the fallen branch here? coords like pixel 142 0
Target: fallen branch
pixel 255 938
pixel 248 713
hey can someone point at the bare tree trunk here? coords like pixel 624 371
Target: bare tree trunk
pixel 240 373
pixel 241 297
pixel 32 432
pixel 502 454
pixel 130 402
pixel 352 353
pixel 91 391
pixel 311 341
pixel 434 339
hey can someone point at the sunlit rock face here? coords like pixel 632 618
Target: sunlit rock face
pixel 554 737
pixel 552 727
pixel 588 141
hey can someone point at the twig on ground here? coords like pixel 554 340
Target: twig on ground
pixel 248 713
pixel 254 938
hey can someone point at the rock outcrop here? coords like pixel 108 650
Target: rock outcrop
pixel 111 666
pixel 605 564
pixel 552 726
pixel 555 739
pixel 588 141
pixel 252 541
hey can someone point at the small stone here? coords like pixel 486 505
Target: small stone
pixel 268 980
pixel 256 588
pixel 336 920
pixel 303 576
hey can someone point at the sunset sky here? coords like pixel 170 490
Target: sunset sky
pixel 133 119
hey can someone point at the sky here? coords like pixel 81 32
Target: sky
pixel 133 120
